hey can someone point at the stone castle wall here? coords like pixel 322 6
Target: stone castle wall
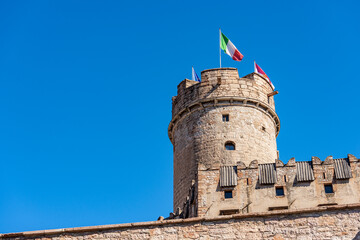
pixel 337 222
pixel 249 195
pixel 198 132
pixel 204 170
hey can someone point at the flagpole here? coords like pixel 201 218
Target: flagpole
pixel 220 45
pixel 193 73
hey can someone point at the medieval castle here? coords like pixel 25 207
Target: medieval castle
pixel 229 182
pixel 225 157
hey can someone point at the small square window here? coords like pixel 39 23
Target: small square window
pixel 279 191
pixel 225 117
pixel 328 188
pixel 228 194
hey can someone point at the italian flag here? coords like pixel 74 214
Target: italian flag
pixel 229 48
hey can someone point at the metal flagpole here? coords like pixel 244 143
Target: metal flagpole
pixel 192 73
pixel 220 45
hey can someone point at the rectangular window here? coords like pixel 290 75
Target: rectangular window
pixel 229 212
pixel 279 191
pixel 225 117
pixel 328 188
pixel 278 208
pixel 228 194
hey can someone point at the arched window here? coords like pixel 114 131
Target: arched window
pixel 230 146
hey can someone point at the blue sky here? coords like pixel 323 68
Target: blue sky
pixel 86 87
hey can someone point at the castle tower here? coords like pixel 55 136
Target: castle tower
pixel 222 121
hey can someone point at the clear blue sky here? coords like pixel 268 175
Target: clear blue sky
pixel 86 87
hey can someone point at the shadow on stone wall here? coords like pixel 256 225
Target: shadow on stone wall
pixel 357 237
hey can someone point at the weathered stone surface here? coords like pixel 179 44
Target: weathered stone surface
pixel 340 222
pixel 199 133
pixel 202 210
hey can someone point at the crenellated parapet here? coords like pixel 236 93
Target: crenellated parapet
pixel 224 131
pixel 220 82
pixel 279 186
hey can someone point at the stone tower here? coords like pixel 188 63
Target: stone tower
pixel 221 122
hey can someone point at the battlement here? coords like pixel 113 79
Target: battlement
pixel 242 188
pixel 222 82
pixel 224 133
pixel 223 87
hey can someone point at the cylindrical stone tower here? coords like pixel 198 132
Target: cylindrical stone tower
pixel 220 121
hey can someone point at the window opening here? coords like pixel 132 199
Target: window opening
pixel 228 194
pixel 328 188
pixel 229 212
pixel 225 117
pixel 279 191
pixel 229 146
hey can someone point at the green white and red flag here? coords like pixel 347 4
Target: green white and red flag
pixel 229 48
pixel 258 70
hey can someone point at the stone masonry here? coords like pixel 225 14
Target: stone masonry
pixel 198 132
pixel 229 182
pixel 336 222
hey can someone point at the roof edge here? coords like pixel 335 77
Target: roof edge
pixel 179 221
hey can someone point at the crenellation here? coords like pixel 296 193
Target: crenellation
pixel 251 128
pixel 229 182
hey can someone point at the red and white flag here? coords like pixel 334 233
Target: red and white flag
pixel 258 70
